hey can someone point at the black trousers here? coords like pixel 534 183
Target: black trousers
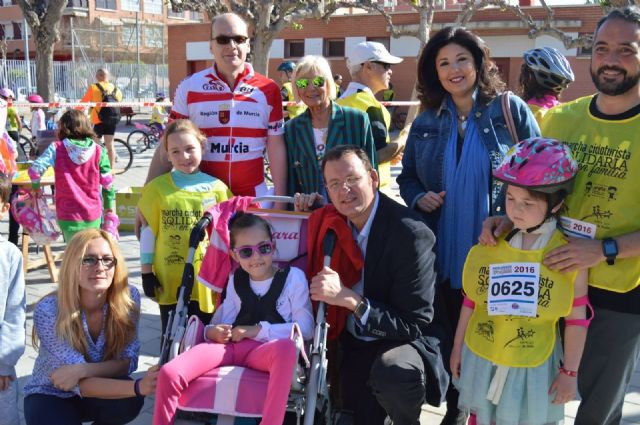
pixel 41 409
pixel 381 378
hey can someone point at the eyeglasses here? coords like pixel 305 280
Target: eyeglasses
pixel 226 39
pixel 303 83
pixel 386 66
pixel 91 261
pixel 349 182
pixel 246 251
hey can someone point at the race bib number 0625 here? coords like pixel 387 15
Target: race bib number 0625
pixel 513 289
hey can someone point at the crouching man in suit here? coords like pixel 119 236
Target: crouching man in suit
pixel 391 362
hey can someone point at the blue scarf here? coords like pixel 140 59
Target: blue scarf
pixel 466 203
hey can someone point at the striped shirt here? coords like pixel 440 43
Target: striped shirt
pixel 236 121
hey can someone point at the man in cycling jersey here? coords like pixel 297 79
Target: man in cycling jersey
pixel 240 112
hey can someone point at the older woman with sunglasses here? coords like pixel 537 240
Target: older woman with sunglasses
pixel 322 126
pixel 88 341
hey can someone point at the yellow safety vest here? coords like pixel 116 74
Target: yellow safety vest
pixel 294 110
pixel 515 341
pixel 171 213
pixel 363 100
pixel 605 190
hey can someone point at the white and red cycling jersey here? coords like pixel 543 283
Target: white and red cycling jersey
pixel 236 122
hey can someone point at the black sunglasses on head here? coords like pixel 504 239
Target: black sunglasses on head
pixel 226 39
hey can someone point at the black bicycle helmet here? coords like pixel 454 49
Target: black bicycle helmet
pixel 550 67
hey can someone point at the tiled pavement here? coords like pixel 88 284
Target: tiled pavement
pixel 39 284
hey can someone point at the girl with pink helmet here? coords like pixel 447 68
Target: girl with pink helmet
pixel 38 119
pixel 508 362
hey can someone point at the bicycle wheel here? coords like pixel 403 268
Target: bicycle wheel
pixel 26 148
pixel 124 156
pixel 138 141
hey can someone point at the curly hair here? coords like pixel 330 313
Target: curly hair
pixel 529 88
pixel 488 80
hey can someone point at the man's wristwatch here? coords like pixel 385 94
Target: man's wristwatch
pixel 610 250
pixel 361 308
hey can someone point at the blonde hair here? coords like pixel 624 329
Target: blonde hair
pixel 182 126
pixel 122 312
pixel 319 67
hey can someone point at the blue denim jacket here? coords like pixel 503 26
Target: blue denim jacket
pixel 423 160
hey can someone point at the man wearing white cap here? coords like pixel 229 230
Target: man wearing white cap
pixel 369 64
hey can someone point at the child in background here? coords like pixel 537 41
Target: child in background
pixel 544 75
pixel 159 114
pixel 81 169
pixel 14 123
pixel 38 122
pixel 13 308
pixel 507 360
pixel 171 204
pixel 251 328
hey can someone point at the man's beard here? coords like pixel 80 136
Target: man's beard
pixel 610 88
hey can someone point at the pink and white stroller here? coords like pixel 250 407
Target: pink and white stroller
pixel 234 392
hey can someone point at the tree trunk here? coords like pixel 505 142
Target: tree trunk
pixel 424 31
pixel 260 46
pixel 44 68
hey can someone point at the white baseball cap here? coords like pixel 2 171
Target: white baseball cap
pixel 370 51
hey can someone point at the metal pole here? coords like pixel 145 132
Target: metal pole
pixel 26 55
pixel 138 55
pixel 73 57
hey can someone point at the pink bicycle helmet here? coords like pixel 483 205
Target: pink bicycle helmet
pixel 35 98
pixel 7 93
pixel 540 164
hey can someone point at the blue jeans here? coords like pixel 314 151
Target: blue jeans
pixel 42 409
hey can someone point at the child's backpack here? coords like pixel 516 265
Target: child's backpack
pixel 109 115
pixel 32 211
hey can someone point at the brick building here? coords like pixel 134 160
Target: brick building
pixel 503 32
pixel 105 29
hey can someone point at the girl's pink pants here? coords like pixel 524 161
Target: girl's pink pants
pixel 277 357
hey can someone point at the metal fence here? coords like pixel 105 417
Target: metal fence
pixel 70 80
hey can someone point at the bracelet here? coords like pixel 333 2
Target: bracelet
pixel 136 387
pixel 571 373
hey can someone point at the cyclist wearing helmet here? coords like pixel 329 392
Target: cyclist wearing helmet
pixel 507 359
pixel 544 75
pixel 159 115
pixel 285 71
pixel 38 121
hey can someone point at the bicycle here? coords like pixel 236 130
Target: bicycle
pixel 145 136
pixel 123 155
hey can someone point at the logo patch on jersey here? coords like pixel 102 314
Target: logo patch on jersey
pixel 246 89
pixel 224 113
pixel 213 86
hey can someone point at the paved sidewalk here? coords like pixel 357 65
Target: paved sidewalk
pixel 39 284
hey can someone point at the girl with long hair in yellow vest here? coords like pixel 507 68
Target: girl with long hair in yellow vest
pixel 171 204
pixel 507 360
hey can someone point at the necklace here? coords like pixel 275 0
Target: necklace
pixel 463 121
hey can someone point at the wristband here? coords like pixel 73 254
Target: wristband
pixel 136 388
pixel 571 373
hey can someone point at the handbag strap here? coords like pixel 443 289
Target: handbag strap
pixel 508 117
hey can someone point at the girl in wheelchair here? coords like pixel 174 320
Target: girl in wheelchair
pixel 252 326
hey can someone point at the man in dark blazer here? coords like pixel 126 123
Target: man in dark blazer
pixel 390 356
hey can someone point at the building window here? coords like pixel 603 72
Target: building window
pixel 130 5
pixel 153 36
pixel 385 41
pixel 78 4
pixel 17 31
pixel 584 51
pixel 334 48
pixel 8 31
pixel 129 35
pixel 153 6
pixel 172 14
pixel 196 16
pixel 293 48
pixel 106 4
